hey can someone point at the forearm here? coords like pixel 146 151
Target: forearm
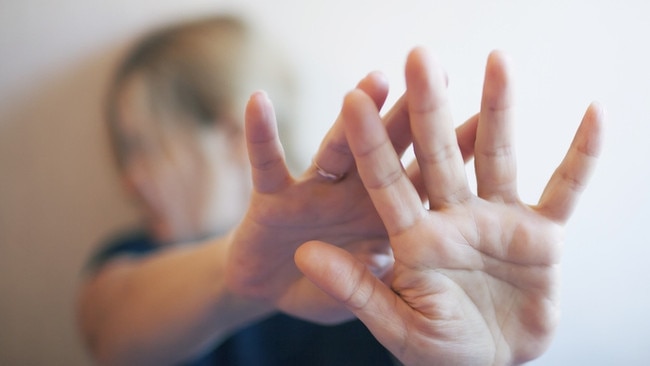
pixel 162 309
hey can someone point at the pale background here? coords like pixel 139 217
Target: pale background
pixel 59 195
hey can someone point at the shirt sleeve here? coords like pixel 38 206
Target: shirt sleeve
pixel 133 243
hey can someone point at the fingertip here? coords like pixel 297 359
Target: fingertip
pixel 497 89
pixel 324 264
pixel 426 79
pixel 377 78
pixel 499 55
pixel 353 96
pixel 259 94
pixel 355 101
pixel 591 129
pixel 597 111
pixel 257 105
pixel 304 254
pixel 417 64
pixel 375 84
pixel 498 61
pixel 418 53
pixel 419 56
pixel 258 99
pixel 260 118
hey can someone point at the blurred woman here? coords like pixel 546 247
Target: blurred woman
pixel 176 290
pixel 212 277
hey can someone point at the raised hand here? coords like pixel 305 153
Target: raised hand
pixel 285 211
pixel 328 202
pixel 475 278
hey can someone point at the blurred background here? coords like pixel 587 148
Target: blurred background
pixel 59 194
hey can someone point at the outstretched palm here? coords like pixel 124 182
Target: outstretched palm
pixel 475 276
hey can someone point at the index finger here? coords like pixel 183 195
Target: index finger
pixel 265 153
pixel 333 155
pixel 378 164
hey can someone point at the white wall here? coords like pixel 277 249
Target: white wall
pixel 58 196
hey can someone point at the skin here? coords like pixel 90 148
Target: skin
pixel 171 306
pixel 163 169
pixel 285 211
pixel 475 279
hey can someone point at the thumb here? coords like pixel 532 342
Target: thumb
pixel 346 279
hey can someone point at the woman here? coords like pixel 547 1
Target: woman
pixel 475 276
pixel 151 298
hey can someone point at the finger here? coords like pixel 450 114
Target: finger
pixel 379 167
pixel 313 304
pixel 334 156
pixel 495 162
pixel 397 125
pixel 415 176
pixel 435 144
pixel 265 152
pixel 465 135
pixel 571 177
pixel 340 275
pixel 375 85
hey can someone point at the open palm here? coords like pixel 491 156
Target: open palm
pixel 475 278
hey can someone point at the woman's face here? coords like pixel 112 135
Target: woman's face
pixel 186 179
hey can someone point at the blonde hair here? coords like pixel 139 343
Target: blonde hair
pixel 202 71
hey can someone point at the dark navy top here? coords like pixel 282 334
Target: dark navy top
pixel 279 340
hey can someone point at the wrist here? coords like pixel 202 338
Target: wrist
pixel 232 307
